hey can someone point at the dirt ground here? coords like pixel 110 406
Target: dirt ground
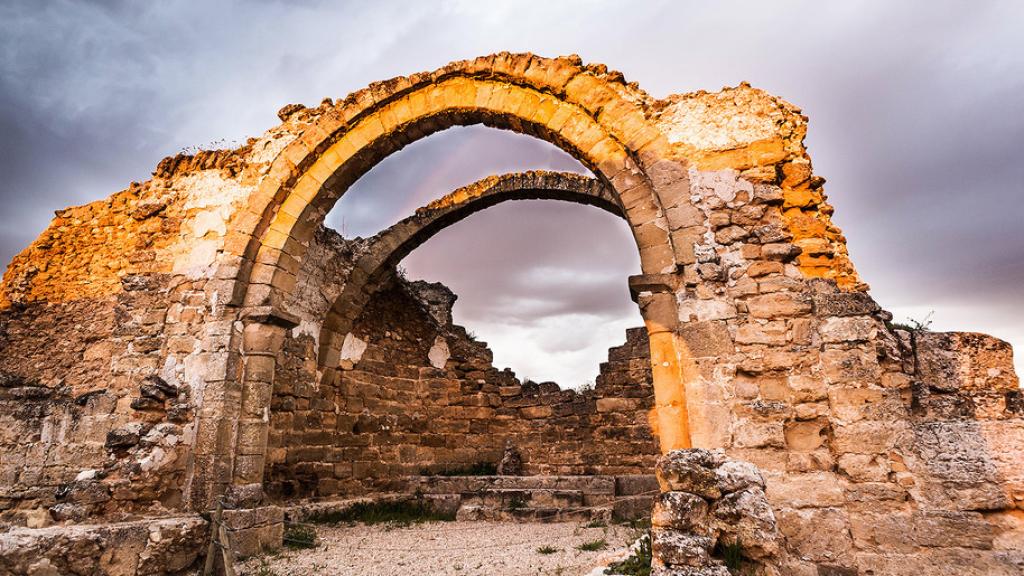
pixel 451 549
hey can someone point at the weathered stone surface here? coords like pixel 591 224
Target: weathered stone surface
pixel 689 471
pixel 735 475
pixel 746 518
pixel 849 329
pixel 778 305
pixel 681 548
pixel 820 535
pixel 166 546
pixel 828 304
pixel 198 336
pixel 682 511
pixel 684 532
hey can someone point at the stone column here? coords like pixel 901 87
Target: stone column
pixel 656 296
pixel 263 337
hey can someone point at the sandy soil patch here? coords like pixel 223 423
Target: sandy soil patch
pixel 450 549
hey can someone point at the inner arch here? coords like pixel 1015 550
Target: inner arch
pixel 389 247
pixel 541 282
pixel 434 166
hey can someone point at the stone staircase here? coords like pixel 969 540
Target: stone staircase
pixel 538 498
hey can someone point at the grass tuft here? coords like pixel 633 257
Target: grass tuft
pixel 731 553
pixel 403 512
pixel 593 546
pixel 638 563
pixel 548 550
pixel 299 537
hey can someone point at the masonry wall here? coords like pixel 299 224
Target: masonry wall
pixel 99 348
pixel 417 394
pixel 883 452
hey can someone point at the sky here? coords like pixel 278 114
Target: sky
pixel 916 120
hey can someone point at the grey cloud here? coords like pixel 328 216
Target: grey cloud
pixel 915 107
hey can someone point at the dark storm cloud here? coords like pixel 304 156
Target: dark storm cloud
pixel 915 107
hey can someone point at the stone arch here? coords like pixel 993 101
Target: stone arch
pixel 393 244
pixel 587 111
pixel 592 117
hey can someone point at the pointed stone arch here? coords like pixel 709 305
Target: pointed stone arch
pixel 389 247
pixel 589 112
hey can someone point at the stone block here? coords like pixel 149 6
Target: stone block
pixel 864 467
pixel 746 518
pixel 811 490
pixel 734 475
pixel 690 471
pixel 817 535
pixel 848 329
pixel 680 548
pixel 682 511
pixel 706 339
pixel 773 333
pixel 807 435
pixel 779 305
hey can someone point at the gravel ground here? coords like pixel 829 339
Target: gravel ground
pixel 450 549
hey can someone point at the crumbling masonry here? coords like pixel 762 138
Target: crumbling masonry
pixel 200 338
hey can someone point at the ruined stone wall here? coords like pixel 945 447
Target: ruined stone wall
pixel 111 324
pixel 418 394
pixel 96 330
pixel 883 451
pixel 140 335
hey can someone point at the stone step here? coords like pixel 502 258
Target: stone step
pixel 475 512
pixel 512 499
pixel 632 507
pixel 465 484
pixel 636 484
pixel 539 498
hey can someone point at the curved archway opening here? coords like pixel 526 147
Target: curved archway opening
pixel 543 283
pixel 380 255
pixel 591 115
pixel 412 393
pixel 432 167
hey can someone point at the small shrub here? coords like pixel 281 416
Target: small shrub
pixel 517 502
pixel 913 324
pixel 478 469
pixel 638 563
pixel 299 536
pixel 402 512
pixel 639 525
pixel 731 553
pixel 264 569
pixel 593 546
pixel 547 550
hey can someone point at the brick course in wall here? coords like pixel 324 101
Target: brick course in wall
pixel 392 412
